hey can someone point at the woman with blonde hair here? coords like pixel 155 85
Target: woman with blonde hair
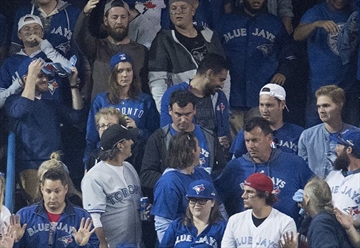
pixel 73 194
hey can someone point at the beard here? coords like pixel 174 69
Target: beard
pixel 210 90
pixel 247 6
pixel 342 162
pixel 118 34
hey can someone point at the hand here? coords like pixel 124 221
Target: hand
pixel 8 238
pixel 83 234
pixel 329 26
pixel 346 220
pixel 34 70
pixel 91 4
pixel 278 78
pixel 73 76
pixel 147 211
pixel 34 39
pixel 224 141
pixel 16 227
pixel 289 241
pixel 130 122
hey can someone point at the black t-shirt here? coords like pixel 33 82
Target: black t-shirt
pixel 205 115
pixel 196 46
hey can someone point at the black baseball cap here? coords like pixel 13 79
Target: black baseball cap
pixel 116 133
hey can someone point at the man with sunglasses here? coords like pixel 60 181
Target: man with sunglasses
pixel 270 224
pixel 344 180
pixel 112 192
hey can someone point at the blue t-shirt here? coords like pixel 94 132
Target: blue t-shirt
pixel 326 66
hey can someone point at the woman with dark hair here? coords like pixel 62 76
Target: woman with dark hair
pixel 125 95
pixel 169 195
pixel 202 224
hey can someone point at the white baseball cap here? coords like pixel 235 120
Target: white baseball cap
pixel 29 19
pixel 274 90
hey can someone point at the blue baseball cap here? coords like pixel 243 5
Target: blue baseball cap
pixel 120 57
pixel 349 137
pixel 201 189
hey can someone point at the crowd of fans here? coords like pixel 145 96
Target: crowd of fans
pixel 182 123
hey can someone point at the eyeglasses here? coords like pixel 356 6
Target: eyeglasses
pixel 183 10
pixel 103 127
pixel 201 201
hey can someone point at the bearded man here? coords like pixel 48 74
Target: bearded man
pixel 99 51
pixel 344 179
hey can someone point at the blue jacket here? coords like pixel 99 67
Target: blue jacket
pixel 287 171
pixel 36 125
pixel 220 105
pixel 257 48
pixel 38 227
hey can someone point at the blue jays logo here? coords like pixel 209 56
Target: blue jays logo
pixel 66 240
pixel 202 161
pixel 52 86
pixel 64 47
pixel 266 49
pixel 355 210
pixel 220 107
pixel 199 188
pixel 122 57
pixel 276 190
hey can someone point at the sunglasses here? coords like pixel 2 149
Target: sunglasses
pixel 201 201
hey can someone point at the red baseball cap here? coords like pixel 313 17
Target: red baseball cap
pixel 260 181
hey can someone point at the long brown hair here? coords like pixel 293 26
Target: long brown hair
pixel 181 150
pixel 115 88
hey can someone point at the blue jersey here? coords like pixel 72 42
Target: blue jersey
pixel 326 66
pixel 257 48
pixel 286 139
pixel 169 195
pixel 288 172
pixel 180 236
pixel 220 107
pixel 38 229
pixel 58 28
pixel 142 110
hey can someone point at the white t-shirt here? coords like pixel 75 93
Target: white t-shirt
pixel 241 232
